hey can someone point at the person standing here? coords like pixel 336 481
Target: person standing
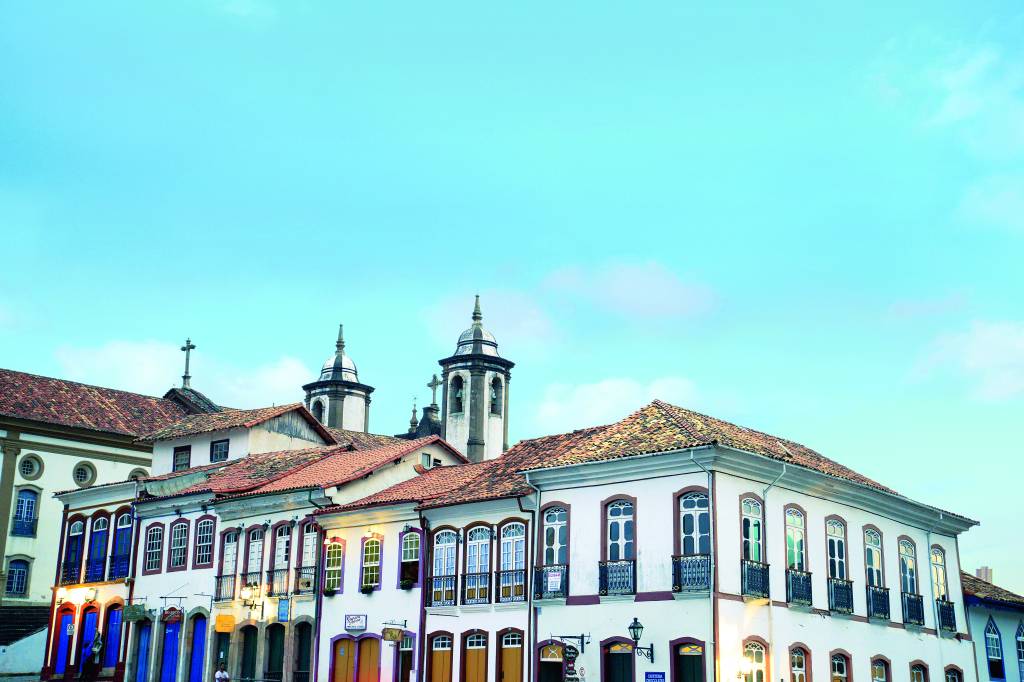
pixel 222 673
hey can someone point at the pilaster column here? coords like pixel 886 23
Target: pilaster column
pixel 477 405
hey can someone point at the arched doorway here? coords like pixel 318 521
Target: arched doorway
pixel 552 657
pixel 441 658
pixel 86 634
pixel 169 660
pixel 369 660
pixel 143 643
pixel 687 662
pixel 510 658
pixel 65 633
pixel 198 645
pixel 617 662
pixel 343 660
pixel 249 636
pixel 303 647
pixel 474 657
pixel 275 653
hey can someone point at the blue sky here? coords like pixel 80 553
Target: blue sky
pixel 809 221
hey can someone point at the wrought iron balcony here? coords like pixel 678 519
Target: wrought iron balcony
pixel 277 582
pixel 947 615
pixel 691 573
pixel 253 580
pixel 616 577
pixel 224 588
pixel 511 586
pixel 754 579
pixel 70 574
pixel 913 609
pixel 25 528
pixel 878 602
pixel 119 566
pixel 94 569
pixel 798 587
pixel 551 582
pixel 476 588
pixel 305 577
pixel 840 595
pixel 442 590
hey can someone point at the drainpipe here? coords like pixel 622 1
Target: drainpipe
pixel 764 539
pixel 711 540
pixel 318 609
pixel 421 638
pixel 531 610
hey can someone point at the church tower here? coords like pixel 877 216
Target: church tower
pixel 474 403
pixel 337 399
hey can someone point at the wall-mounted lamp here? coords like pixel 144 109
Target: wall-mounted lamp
pixel 636 629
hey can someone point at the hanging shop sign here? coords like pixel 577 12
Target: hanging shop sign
pixel 283 610
pixel 224 624
pixel 135 612
pixel 392 634
pixel 171 615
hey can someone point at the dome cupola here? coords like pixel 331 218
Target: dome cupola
pixel 339 367
pixel 477 340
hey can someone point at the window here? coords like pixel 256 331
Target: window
pixel 179 545
pixel 97 550
pixel 908 567
pixel 513 561
pixel 873 557
pixel 953 675
pixel 619 531
pixel 918 673
pixel 754 653
pixel 254 554
pixel 797 665
pixel 694 524
pixel 218 450
pixel 17 578
pixel 442 643
pixel 318 410
pixel 444 553
pixel 994 651
pixel 282 546
pixel 229 556
pixel 182 458
pixel 333 565
pixel 556 529
pixel 25 511
pixel 1020 650
pixel 751 525
pixel 795 538
pixel 839 668
pixel 456 388
pixel 939 574
pixel 410 564
pixel 371 563
pixel 84 474
pixel 879 671
pixel 496 393
pixel 204 543
pixel 73 550
pixel 476 642
pixel 407 643
pixel 478 564
pixel 30 467
pixel 154 547
pixel 309 544
pixel 835 533
pixel 123 536
pixel 511 640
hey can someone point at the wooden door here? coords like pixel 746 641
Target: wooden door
pixel 618 663
pixel 689 663
pixel 275 652
pixel 476 665
pixel 512 663
pixel 441 665
pixel 344 660
pixel 369 660
pixel 142 654
pixel 249 652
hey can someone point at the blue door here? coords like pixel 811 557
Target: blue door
pixel 142 660
pixel 195 670
pixel 88 635
pixel 111 647
pixel 64 633
pixel 169 663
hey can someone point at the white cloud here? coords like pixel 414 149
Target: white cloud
pixel 989 355
pixel 996 201
pixel 564 407
pixel 645 290
pixel 152 367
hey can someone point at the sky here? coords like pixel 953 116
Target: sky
pixel 807 220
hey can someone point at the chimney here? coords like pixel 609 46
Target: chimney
pixel 985 573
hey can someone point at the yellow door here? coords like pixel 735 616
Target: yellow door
pixel 369 660
pixel 344 660
pixel 512 659
pixel 475 664
pixel 441 660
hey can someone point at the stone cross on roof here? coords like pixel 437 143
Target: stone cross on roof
pixel 434 383
pixel 188 348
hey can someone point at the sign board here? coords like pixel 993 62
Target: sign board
pixel 134 612
pixel 70 629
pixel 571 652
pixel 654 677
pixel 283 610
pixel 171 615
pixel 392 634
pixel 554 579
pixel 355 621
pixel 224 624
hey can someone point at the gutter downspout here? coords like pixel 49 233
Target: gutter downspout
pixel 318 610
pixel 712 631
pixel 421 637
pixel 531 626
pixel 764 539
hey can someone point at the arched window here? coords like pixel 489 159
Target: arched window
pixel 71 571
pixel 556 529
pixel 908 567
pixel 939 574
pixel 179 545
pixel 282 547
pixel 309 544
pixel 754 653
pixel 513 562
pixel 409 571
pixel 879 670
pixel 204 543
pixel 456 391
pixel 318 411
pixel 795 538
pixel 994 651
pixel 496 396
pixel 123 535
pixel 154 548
pixel 443 579
pixel 112 637
pixel 840 668
pixel 97 561
pixel 254 552
pixel 953 675
pixel 835 532
pixel 694 524
pixel 619 531
pixel 478 565
pixel 752 526
pixel 229 554
pixel 17 578
pixel 918 673
pixel 798 665
pixel 371 564
pixel 1020 650
pixel 873 557
pixel 25 513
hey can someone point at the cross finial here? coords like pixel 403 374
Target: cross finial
pixel 434 383
pixel 188 348
pixel 340 345
pixel 413 422
pixel 477 316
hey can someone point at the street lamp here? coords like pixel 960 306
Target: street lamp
pixel 636 629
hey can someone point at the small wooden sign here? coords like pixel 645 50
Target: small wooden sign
pixel 355 621
pixel 224 624
pixel 392 634
pixel 171 615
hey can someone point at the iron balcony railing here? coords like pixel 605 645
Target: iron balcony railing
pixel 119 565
pixel 254 581
pixel 913 609
pixel 754 579
pixel 277 582
pixel 616 577
pixel 305 577
pixel 798 587
pixel 511 585
pixel 947 616
pixel 25 528
pixel 224 587
pixel 300 676
pixel 70 574
pixel 878 602
pixel 691 573
pixel 840 595
pixel 94 569
pixel 442 590
pixel 551 582
pixel 476 588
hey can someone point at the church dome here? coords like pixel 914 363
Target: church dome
pixel 476 339
pixel 339 367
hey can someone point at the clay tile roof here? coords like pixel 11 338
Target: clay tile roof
pixel 430 484
pixel 229 419
pixel 69 403
pixel 974 586
pixel 360 440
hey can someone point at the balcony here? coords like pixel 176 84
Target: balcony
pixel 119 566
pixel 691 573
pixel 95 569
pixel 913 609
pixel 878 602
pixel 305 577
pixel 224 587
pixel 754 579
pixel 476 588
pixel 840 595
pixel 511 586
pixel 442 590
pixel 616 577
pixel 277 582
pixel 70 574
pixel 25 528
pixel 798 587
pixel 947 615
pixel 551 582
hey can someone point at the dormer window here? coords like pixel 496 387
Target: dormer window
pixel 219 450
pixel 182 458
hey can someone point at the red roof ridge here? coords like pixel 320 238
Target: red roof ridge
pixel 81 383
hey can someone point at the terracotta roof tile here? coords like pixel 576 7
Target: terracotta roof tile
pixel 362 440
pixel 229 419
pixel 428 485
pixel 974 586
